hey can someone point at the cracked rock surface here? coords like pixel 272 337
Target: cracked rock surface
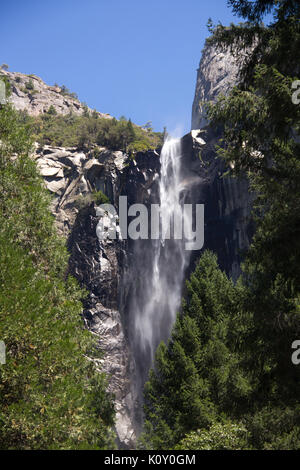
pixel 72 176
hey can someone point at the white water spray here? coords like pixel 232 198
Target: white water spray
pixel 158 295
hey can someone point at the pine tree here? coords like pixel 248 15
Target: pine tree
pixel 261 137
pixel 51 396
pixel 197 375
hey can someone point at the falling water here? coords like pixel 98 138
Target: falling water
pixel 160 267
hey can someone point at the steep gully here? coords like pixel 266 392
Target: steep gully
pixel 135 286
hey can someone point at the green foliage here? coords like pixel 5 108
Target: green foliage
pixel 89 129
pixel 275 46
pixel 261 125
pixel 29 85
pixel 197 376
pixel 218 437
pixel 52 111
pixel 98 197
pixel 66 92
pixel 4 79
pixel 224 379
pixel 255 11
pixel 51 396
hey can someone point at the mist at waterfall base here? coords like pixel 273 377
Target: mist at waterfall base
pixel 159 267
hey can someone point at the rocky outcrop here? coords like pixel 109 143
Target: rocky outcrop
pixel 71 175
pixel 228 226
pixel 31 93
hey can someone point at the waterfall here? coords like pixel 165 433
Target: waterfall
pixel 160 266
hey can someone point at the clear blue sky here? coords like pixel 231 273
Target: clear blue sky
pixel 135 58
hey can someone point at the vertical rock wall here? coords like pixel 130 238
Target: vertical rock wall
pixel 228 226
pixel 104 267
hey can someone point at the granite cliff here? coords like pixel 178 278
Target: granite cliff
pixel 217 74
pixel 228 226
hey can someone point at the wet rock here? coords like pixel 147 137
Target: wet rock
pixel 228 202
pixel 99 265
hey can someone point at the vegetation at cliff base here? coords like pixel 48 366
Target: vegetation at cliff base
pixel 51 396
pixel 226 380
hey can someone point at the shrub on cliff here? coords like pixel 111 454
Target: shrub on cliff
pixel 66 92
pixel 29 85
pixel 98 197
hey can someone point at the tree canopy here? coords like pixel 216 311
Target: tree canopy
pixel 51 396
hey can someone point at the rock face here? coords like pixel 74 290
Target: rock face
pixel 228 226
pixel 72 175
pixel 37 97
pixel 217 74
pixel 227 202
pixel 101 265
